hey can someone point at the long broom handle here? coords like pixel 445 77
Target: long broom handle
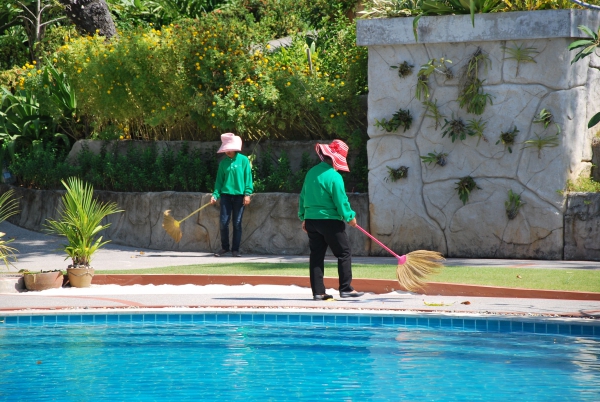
pixel 195 212
pixel 378 242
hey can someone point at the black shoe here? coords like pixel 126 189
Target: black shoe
pixel 221 253
pixel 322 297
pixel 354 293
pixel 236 254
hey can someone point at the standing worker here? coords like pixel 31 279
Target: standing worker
pixel 324 210
pixel 233 186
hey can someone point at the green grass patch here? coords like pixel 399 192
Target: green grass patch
pixel 527 278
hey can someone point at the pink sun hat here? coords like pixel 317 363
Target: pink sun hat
pixel 338 151
pixel 230 142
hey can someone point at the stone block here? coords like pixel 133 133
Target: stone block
pixel 582 227
pixel 488 27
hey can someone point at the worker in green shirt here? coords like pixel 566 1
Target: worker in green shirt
pixel 324 210
pixel 233 186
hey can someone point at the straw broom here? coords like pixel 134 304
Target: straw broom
pixel 171 226
pixel 413 267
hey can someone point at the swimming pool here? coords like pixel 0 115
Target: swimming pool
pixel 297 357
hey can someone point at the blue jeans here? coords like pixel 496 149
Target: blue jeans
pixel 232 206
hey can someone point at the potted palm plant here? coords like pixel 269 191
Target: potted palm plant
pixel 8 207
pixel 80 222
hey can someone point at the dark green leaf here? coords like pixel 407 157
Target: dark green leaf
pixel 594 120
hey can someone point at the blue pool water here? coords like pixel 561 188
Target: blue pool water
pixel 264 357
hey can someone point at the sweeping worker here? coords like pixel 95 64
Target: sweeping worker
pixel 324 210
pixel 233 187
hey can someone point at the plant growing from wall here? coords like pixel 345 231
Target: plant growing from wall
pixel 521 54
pixel 477 126
pixel 402 118
pixel 513 204
pixel 422 91
pixel 586 47
pixel 433 112
pixel 544 117
pixel 397 174
pixel 404 69
pixel 464 187
pixel 549 141
pixel 508 138
pixel 439 158
pixel 471 96
pixel 456 129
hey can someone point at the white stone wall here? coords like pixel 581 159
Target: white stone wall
pixel 424 209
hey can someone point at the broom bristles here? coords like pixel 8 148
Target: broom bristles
pixel 418 265
pixel 171 226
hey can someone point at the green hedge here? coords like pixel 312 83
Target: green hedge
pixel 143 170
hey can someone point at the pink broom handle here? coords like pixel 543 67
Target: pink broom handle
pixel 401 259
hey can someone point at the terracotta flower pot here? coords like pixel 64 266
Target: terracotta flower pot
pixel 43 280
pixel 80 276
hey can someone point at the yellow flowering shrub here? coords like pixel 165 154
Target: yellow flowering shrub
pixel 196 79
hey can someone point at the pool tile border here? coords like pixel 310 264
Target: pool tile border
pixel 471 324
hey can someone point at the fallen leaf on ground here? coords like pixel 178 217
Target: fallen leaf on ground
pixel 519 276
pixel 442 304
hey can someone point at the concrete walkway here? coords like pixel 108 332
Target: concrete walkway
pixel 39 251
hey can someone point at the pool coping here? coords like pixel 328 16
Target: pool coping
pixel 373 318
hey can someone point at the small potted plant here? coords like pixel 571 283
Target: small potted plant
pixel 80 222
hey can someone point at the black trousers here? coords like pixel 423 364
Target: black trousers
pixel 321 234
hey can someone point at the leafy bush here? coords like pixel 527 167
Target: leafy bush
pixel 23 123
pixel 41 168
pixel 12 50
pixel 215 74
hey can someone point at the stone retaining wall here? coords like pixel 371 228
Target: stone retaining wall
pixel 582 227
pixel 270 224
pixel 423 210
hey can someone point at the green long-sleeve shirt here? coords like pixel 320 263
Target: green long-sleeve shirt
pixel 234 177
pixel 324 196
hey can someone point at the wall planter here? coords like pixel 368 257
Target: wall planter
pixel 424 210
